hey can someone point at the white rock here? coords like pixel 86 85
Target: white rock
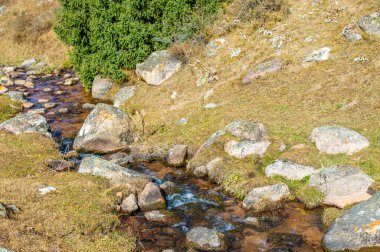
pixel 46 190
pixel 336 140
pixel 289 170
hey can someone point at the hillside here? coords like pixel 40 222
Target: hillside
pixel 264 79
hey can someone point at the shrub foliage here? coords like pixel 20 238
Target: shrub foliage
pixel 107 36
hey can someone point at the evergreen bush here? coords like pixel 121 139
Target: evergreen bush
pixel 107 36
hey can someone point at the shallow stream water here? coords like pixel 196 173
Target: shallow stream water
pixel 199 202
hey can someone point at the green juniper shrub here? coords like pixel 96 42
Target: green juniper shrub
pixel 110 35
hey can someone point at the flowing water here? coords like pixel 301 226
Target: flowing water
pixel 198 203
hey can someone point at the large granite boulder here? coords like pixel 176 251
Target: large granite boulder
pixel 289 170
pixel 159 67
pixel 27 123
pixel 101 87
pixel 337 140
pixel 107 129
pixel 342 185
pixel 266 198
pixel 205 239
pixel 116 174
pixel 371 23
pixel 358 228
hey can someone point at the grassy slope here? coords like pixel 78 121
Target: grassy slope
pixel 30 35
pixel 290 103
pixel 77 217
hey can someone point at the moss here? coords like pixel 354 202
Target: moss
pixel 310 196
pixel 330 214
pixel 8 108
pixel 77 216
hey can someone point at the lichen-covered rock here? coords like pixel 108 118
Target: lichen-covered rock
pixel 246 148
pixel 266 198
pixel 356 229
pixel 116 174
pixel 371 23
pixel 101 87
pixel 16 96
pixel 124 95
pixel 27 123
pixel 337 140
pixel 107 129
pixel 205 239
pixel 342 185
pixel 151 198
pixel 159 67
pixel 263 69
pixel 289 170
pixel 350 34
pixel 177 156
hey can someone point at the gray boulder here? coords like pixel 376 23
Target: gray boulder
pixel 342 185
pixel 28 64
pixel 159 67
pixel 27 123
pixel 247 130
pixel 356 229
pixel 289 170
pixel 246 148
pixel 336 140
pixel 116 174
pixel 263 69
pixel 124 95
pixel 205 239
pixel 350 34
pixel 177 156
pixel 371 23
pixel 266 198
pixel 151 198
pixel 107 129
pixel 16 96
pixel 129 204
pixel 101 87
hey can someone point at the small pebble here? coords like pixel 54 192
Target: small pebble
pixel 47 89
pixel 20 82
pixel 63 110
pixel 37 111
pixel 29 84
pixel 50 105
pixel 43 100
pixel 28 105
pixel 88 106
pixel 60 92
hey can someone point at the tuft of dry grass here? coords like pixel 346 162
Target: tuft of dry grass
pixel 26 32
pixel 330 214
pixel 78 216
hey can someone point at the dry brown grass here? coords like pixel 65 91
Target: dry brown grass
pixel 76 217
pixel 26 32
pixel 290 103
